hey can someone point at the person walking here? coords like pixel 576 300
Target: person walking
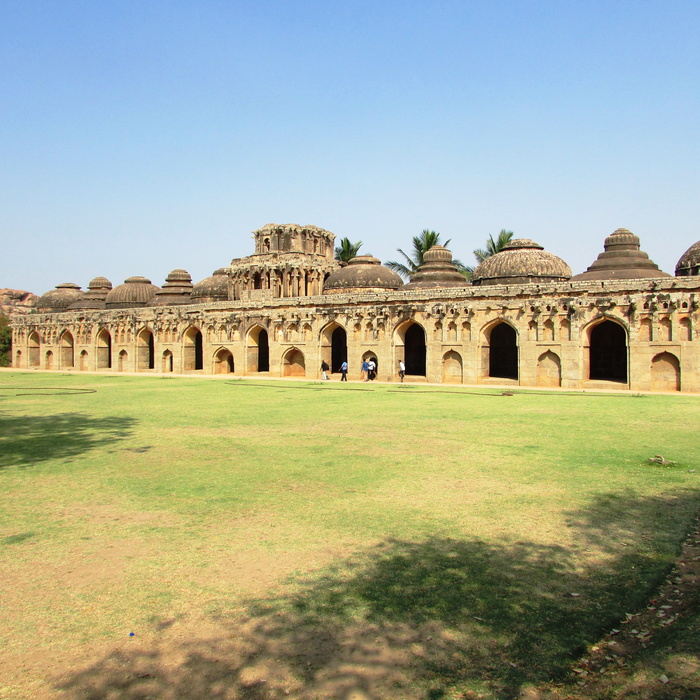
pixel 371 369
pixel 402 370
pixel 344 371
pixel 365 370
pixel 324 369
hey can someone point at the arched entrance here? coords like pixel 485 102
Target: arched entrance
pixel 104 349
pixel 167 361
pixel 34 350
pixel 258 350
pixel 549 369
pixel 339 348
pixel 293 363
pixel 503 351
pixel 414 350
pixel 49 359
pixel 452 368
pixel 223 362
pixel 193 355
pixel 122 360
pixel 665 373
pixel 67 351
pixel 83 361
pixel 608 352
pixel 145 350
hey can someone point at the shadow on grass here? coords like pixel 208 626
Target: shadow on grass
pixel 431 619
pixel 29 440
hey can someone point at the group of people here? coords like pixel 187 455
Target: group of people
pixel 369 370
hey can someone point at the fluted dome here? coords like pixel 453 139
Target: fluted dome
pixel 519 262
pixel 437 270
pixel 214 288
pixel 689 264
pixel 135 292
pixel 176 290
pixel 363 273
pixel 94 297
pixel 622 259
pixel 61 298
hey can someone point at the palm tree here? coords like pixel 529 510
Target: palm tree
pixel 346 251
pixel 492 247
pixel 421 245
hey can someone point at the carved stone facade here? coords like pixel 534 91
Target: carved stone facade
pixel 637 334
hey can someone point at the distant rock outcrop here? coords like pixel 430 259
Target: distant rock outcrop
pixel 17 301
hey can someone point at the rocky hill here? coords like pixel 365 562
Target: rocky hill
pixel 17 301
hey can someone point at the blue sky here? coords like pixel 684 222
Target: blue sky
pixel 141 136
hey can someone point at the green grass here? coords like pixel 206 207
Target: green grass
pixel 327 539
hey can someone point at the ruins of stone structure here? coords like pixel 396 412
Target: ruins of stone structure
pixel 283 310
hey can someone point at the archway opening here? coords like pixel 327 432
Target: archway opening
pixel 167 361
pixel 104 349
pixel 293 363
pixel 83 361
pixel 414 350
pixel 608 352
pixel 665 372
pixel 145 348
pixel 194 356
pixel 257 281
pixel 549 369
pixel 67 350
pixel 452 368
pixel 258 350
pixel 223 362
pixel 503 352
pixel 49 359
pixel 122 359
pixel 339 348
pixel 34 350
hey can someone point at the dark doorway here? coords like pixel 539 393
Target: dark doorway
pixel 146 351
pixel 608 352
pixel 198 354
pixel 503 352
pixel 414 349
pixel 257 281
pixel 339 348
pixel 263 352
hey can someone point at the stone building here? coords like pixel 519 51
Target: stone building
pixel 523 320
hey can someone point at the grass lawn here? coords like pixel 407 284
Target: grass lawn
pixel 270 539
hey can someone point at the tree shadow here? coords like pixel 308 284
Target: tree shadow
pixel 418 619
pixel 29 440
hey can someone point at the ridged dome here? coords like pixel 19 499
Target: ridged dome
pixel 176 290
pixel 214 288
pixel 437 270
pixel 363 273
pixel 94 297
pixel 519 262
pixel 622 259
pixel 689 263
pixel 135 292
pixel 61 298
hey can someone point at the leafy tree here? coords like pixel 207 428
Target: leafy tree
pixel 492 247
pixel 421 245
pixel 346 251
pixel 5 341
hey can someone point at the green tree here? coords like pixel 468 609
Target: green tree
pixel 492 247
pixel 347 250
pixel 5 341
pixel 421 245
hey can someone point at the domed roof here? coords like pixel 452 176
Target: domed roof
pixel 94 297
pixel 622 259
pixel 61 298
pixel 363 273
pixel 689 263
pixel 437 270
pixel 136 291
pixel 521 261
pixel 214 288
pixel 176 290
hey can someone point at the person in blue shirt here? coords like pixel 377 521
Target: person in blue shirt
pixel 344 371
pixel 365 371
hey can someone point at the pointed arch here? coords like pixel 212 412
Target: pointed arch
pixel 104 349
pixel 145 350
pixel 67 345
pixel 452 370
pixel 34 349
pixel 166 363
pixel 257 350
pixel 607 350
pixel 549 369
pixel 48 359
pixel 193 354
pixel 293 363
pixel 223 361
pixel 410 343
pixel 665 372
pixel 502 350
pixel 334 345
pixel 122 361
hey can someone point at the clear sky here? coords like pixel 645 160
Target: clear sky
pixel 137 136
